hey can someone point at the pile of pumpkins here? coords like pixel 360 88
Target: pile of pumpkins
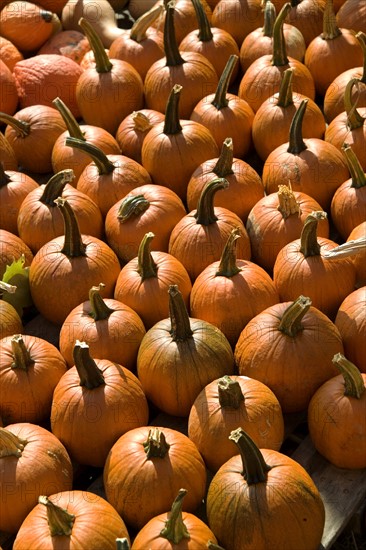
pixel 182 225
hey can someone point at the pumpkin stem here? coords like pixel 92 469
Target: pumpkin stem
pixel 228 267
pixel 230 394
pixel 361 37
pixel 175 529
pixel 254 467
pixel 69 119
pixel 205 213
pixel 288 205
pixel 156 445
pixel 285 95
pixel 99 308
pixel 55 186
pixel 347 249
pixel 132 206
pixel 354 385
pixel 330 27
pixel 309 245
pixel 213 546
pixel 140 26
pixel 11 444
pixel 224 164
pixel 89 373
pixel 204 27
pixel 141 122
pixel 60 521
pixel 291 321
pixel 269 18
pixel 279 56
pixel 102 61
pixel 21 355
pixel 172 54
pixel 100 159
pixel 146 267
pixel 354 119
pixel 171 123
pixel 73 243
pixel 296 142
pixel 358 176
pixel 220 100
pixel 4 178
pixel 122 544
pixel 21 127
pixel 6 287
pixel 180 322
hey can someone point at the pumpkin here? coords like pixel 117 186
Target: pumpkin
pixel 31 133
pixel 183 530
pixel 280 348
pixel 145 469
pixel 112 329
pixel 190 70
pixel 352 16
pixel 199 237
pixel 150 206
pixel 141 45
pixel 64 269
pixel 349 126
pixel 226 114
pixel 216 44
pixel 336 48
pixel 191 354
pixel 30 369
pixel 230 292
pixel 259 41
pixel 187 143
pixel 33 462
pixel 144 282
pixel 7 156
pixel 72 44
pixel 336 417
pixel 307 165
pixel 359 259
pixel 8 90
pixel 232 401
pixel 14 188
pixel 348 207
pixel 262 79
pixel 277 112
pixel 102 399
pixel 12 248
pixel 302 267
pixel 41 78
pixel 333 103
pixel 245 185
pixel 276 220
pixel 66 517
pixel 9 53
pixel 10 321
pixel 26 25
pixel 307 16
pixel 108 177
pixel 351 323
pixel 264 480
pixel 237 17
pixel 133 129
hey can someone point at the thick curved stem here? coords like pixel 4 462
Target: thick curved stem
pixel 309 245
pixel 269 18
pixel 285 95
pixel 204 27
pixel 69 119
pixel 132 206
pixel 287 203
pixel 11 444
pixel 90 375
pixel 354 385
pixel 291 321
pixel 140 26
pixel 60 521
pixel 354 119
pixel 254 467
pixel 21 355
pixel 172 54
pixel 220 100
pixel 22 128
pixel 171 123
pixel 146 267
pixel 99 309
pixel 279 56
pixel 358 176
pixel 228 267
pixel 156 445
pixel 179 318
pixel 175 529
pixel 102 61
pixel 296 141
pixel 73 243
pixel 230 394
pixel 100 159
pixel 205 213
pixel 55 186
pixel 330 27
pixel 224 164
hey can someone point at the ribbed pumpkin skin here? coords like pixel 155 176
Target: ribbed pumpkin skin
pixel 99 416
pixel 337 424
pixel 359 260
pixel 338 132
pixel 43 468
pixel 351 323
pixel 140 489
pixel 188 365
pixel 8 91
pixel 348 208
pixel 10 322
pixel 246 517
pixel 292 367
pixel 238 17
pixel 12 194
pixel 210 424
pixel 88 509
pixel 334 96
pixel 12 247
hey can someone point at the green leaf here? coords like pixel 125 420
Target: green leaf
pixel 18 275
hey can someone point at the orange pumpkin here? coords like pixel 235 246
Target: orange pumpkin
pixel 70 43
pixel 27 25
pixel 14 188
pixel 359 260
pixel 238 17
pixel 8 90
pixel 351 323
pixel 9 53
pixel 12 248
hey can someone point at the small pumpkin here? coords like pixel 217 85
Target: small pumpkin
pixel 351 323
pixel 14 188
pixel 26 24
pixel 336 417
